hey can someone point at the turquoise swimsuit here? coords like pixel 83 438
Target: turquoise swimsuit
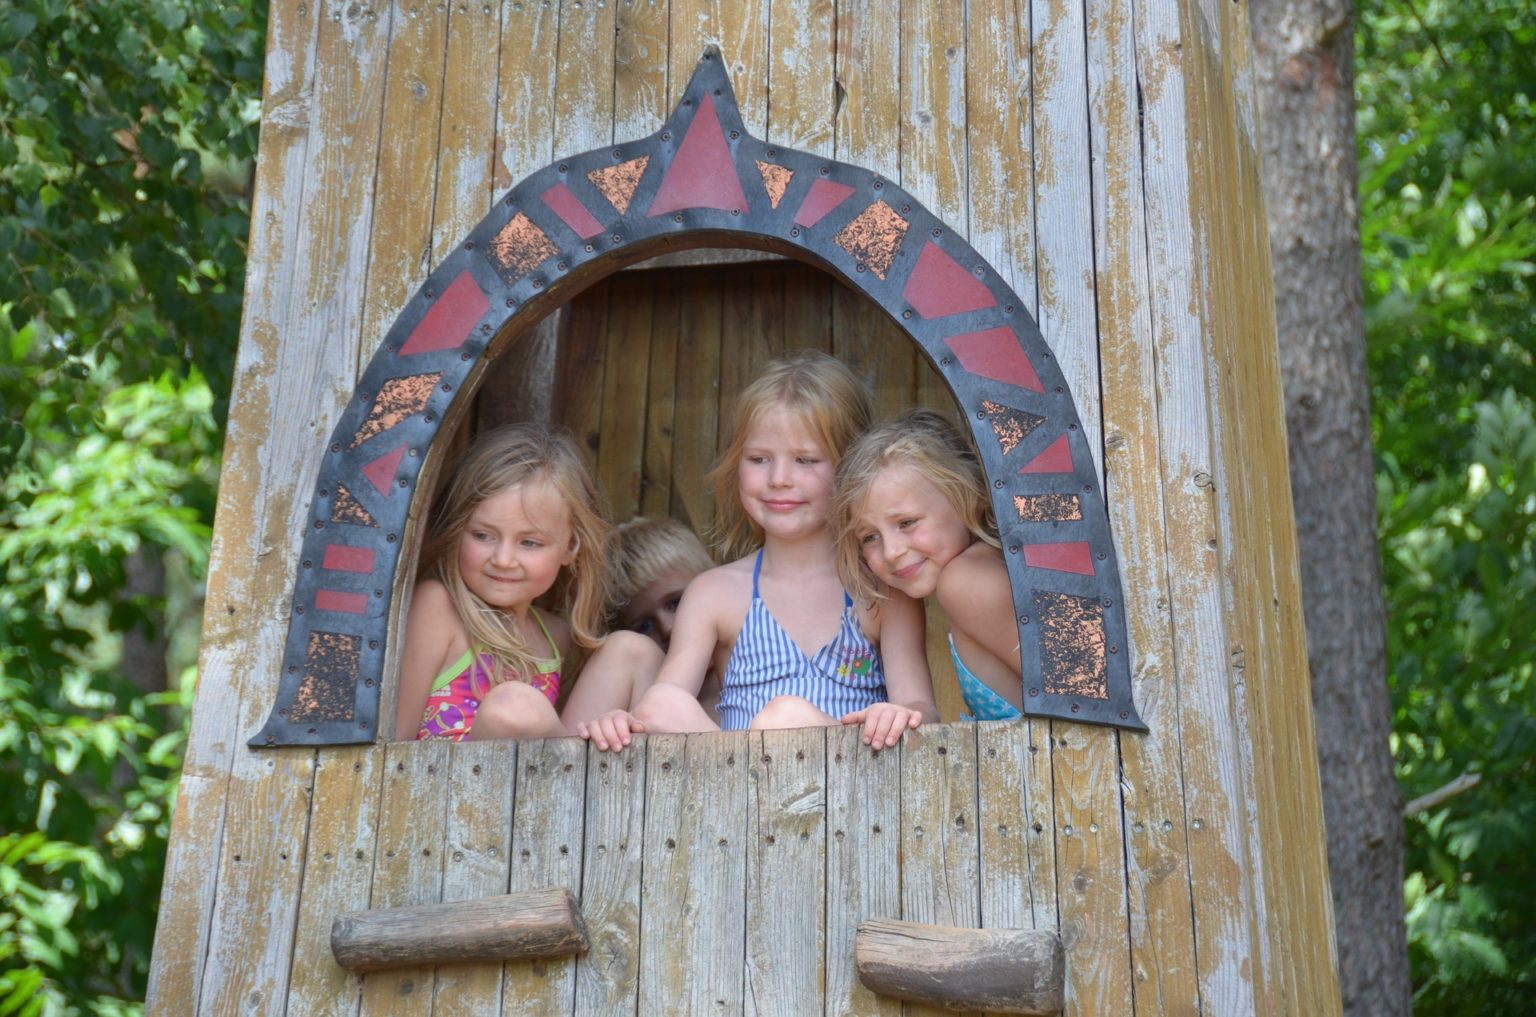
pixel 980 699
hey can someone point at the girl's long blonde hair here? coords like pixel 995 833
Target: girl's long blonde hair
pixel 514 456
pixel 929 443
pixel 831 402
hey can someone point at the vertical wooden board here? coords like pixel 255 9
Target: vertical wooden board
pixel 525 91
pixel 1262 560
pixel 314 374
pixel 1151 776
pixel 864 792
pixel 1220 883
pixel 581 360
pixel 659 479
pixel 740 29
pixel 408 864
pixel 608 975
pixel 400 248
pixel 862 336
pixel 583 108
pixel 546 851
pixel 338 870
pixel 808 311
pixel 998 133
pixel 621 445
pixel 940 874
pixel 692 922
pixel 696 410
pixel 260 864
pixel 640 95
pixel 1008 882
pixel 934 166
pixel 281 176
pixel 802 92
pixel 868 115
pixel 186 894
pixel 786 869
pixel 751 334
pixel 1063 205
pixel 467 136
pixel 475 854
pixel 1090 864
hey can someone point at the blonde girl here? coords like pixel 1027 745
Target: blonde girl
pixel 915 519
pixel 520 520
pixel 790 645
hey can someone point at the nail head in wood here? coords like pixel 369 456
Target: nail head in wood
pixel 514 926
pixel 1001 970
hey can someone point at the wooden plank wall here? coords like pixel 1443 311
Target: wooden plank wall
pixel 1100 155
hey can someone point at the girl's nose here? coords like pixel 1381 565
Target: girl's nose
pixel 778 472
pixel 504 556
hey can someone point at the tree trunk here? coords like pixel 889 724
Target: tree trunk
pixel 1305 78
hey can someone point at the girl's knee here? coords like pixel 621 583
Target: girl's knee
pixel 629 650
pixel 788 712
pixel 515 710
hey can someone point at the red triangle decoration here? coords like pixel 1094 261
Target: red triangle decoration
pixel 996 354
pixel 451 317
pixel 938 286
pixel 702 174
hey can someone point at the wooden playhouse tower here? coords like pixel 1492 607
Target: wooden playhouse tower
pixel 1044 217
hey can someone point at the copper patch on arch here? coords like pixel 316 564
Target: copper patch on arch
pixel 347 509
pixel 521 247
pixel 1010 425
pixel 1073 658
pixel 618 183
pixel 873 237
pixel 329 687
pixel 398 398
pixel 1048 508
pixel 775 180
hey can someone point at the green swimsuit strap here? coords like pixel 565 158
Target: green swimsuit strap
pixel 553 664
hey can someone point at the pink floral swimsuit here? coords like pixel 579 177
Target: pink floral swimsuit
pixel 456 693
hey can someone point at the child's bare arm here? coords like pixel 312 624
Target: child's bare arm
pixel 430 630
pixel 975 592
pixel 672 704
pixel 908 684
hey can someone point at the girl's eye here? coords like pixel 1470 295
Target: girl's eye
pixel 907 524
pixel 807 460
pixel 532 544
pixel 868 538
pixel 672 602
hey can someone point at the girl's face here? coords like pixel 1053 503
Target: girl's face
pixel 515 544
pixel 785 476
pixel 908 531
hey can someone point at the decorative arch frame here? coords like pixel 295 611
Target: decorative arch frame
pixel 702 180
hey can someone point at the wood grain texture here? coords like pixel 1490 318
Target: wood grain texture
pixel 338 874
pixel 467 132
pixel 1152 779
pixel 514 926
pixel 863 861
pixel 408 863
pixel 608 976
pixel 999 970
pixel 801 88
pixel 940 877
pixel 786 873
pixel 693 921
pixel 1256 534
pixel 1221 886
pixel 189 885
pixel 547 841
pixel 476 855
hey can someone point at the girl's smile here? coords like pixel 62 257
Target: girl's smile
pixel 514 546
pixel 908 531
pixel 785 477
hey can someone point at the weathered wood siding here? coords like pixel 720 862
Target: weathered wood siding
pixel 1101 155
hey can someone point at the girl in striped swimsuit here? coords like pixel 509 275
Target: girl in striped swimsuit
pixel 792 648
pixel 519 521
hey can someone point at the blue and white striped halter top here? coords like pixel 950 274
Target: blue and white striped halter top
pixel 843 676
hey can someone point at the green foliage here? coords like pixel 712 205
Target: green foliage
pixel 126 136
pixel 1448 136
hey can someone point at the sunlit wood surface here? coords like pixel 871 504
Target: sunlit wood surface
pixel 1101 156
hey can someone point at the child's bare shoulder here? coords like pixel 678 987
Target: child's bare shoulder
pixel 713 588
pixel 430 597
pixel 975 577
